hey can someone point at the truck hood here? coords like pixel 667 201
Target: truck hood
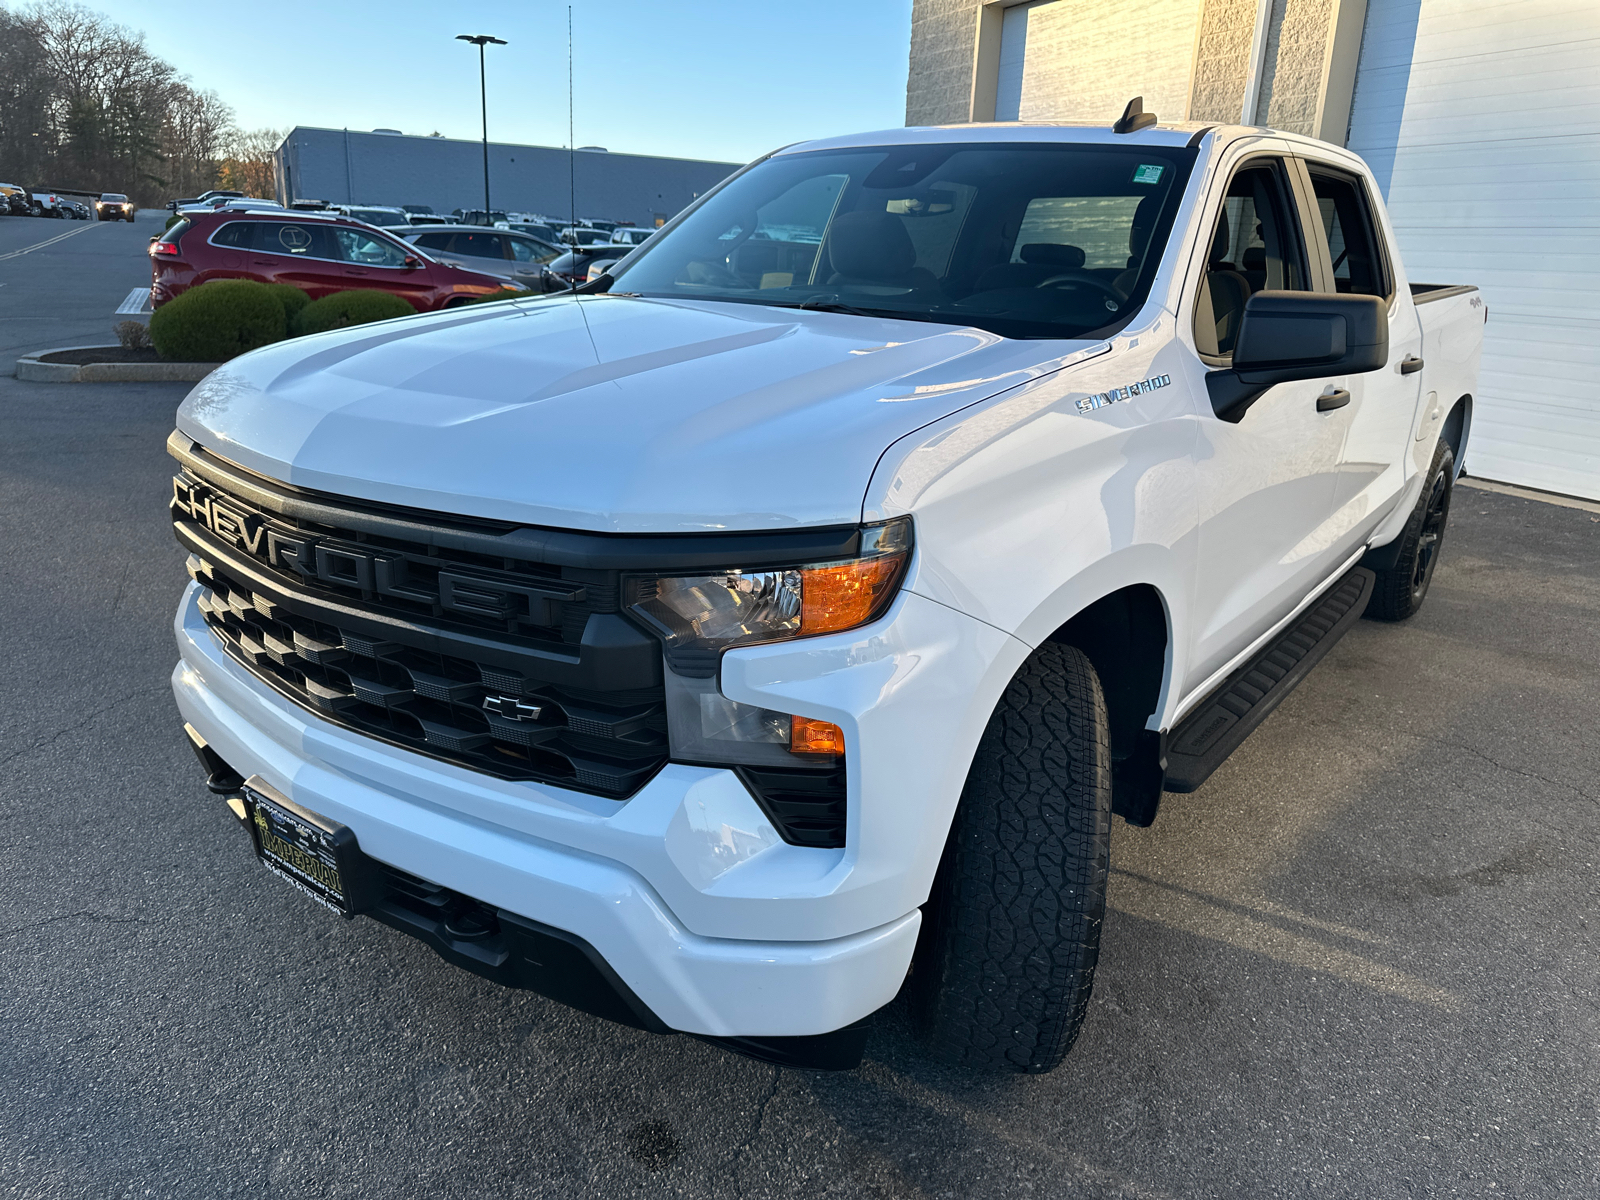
pixel 608 414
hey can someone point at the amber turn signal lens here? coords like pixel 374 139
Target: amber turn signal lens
pixel 815 737
pixel 847 595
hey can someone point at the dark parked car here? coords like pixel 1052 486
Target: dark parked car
pixel 320 254
pixel 573 267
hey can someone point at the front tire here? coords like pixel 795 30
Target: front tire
pixel 1011 933
pixel 1401 589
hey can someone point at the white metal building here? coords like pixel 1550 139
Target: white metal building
pixel 1480 118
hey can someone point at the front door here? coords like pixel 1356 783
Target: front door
pixel 374 261
pixel 1266 482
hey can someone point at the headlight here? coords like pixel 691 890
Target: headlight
pixel 697 617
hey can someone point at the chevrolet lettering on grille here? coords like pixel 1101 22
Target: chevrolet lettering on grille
pixel 371 571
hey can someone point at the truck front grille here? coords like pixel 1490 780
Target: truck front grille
pixel 417 633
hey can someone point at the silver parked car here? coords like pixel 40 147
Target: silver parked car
pixel 519 257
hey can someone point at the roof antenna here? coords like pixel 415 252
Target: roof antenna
pixel 1134 117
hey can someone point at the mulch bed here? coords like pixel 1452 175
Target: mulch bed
pixel 102 354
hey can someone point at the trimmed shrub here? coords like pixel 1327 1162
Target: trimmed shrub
pixel 216 321
pixel 291 297
pixel 349 308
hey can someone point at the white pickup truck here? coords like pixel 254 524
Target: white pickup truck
pixel 776 625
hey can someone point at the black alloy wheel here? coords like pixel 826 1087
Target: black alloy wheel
pixel 1402 587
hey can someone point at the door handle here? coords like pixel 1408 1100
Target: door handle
pixel 1410 365
pixel 1332 400
pixel 354 271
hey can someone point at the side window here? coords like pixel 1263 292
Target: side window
pixel 1255 244
pixel 1348 225
pixel 479 245
pixel 366 250
pixel 236 234
pixel 302 241
pixel 528 251
pixel 433 241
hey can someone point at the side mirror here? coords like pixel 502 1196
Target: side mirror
pixel 1285 336
pixel 413 261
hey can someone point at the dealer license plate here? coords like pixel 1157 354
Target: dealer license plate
pixel 314 854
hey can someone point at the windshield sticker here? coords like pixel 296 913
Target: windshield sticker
pixel 1148 173
pixel 1100 399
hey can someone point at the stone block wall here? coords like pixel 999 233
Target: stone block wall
pixel 943 42
pixel 1189 58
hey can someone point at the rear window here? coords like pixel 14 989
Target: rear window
pixel 179 228
pixel 1097 225
pixel 235 233
pixel 479 245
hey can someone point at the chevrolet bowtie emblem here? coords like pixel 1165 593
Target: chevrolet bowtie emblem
pixel 510 706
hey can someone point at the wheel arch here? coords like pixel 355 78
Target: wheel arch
pixel 1457 428
pixel 1127 636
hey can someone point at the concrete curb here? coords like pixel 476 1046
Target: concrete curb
pixel 31 369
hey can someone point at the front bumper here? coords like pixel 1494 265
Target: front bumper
pixel 684 891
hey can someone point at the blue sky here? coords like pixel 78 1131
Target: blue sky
pixel 715 79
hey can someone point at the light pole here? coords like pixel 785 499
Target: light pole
pixel 481 40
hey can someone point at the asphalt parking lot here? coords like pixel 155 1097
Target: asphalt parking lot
pixel 1360 962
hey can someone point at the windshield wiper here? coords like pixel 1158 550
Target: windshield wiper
pixel 834 304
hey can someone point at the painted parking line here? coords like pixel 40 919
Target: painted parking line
pixel 138 302
pixel 60 237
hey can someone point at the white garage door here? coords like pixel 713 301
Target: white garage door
pixel 1482 120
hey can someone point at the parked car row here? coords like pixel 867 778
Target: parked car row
pixel 19 201
pixel 317 252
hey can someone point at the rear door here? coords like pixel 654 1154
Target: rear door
pixel 481 250
pixel 1349 250
pixel 299 253
pixel 1266 483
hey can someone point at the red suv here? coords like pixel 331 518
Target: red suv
pixel 318 254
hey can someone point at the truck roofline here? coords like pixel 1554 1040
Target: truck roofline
pixel 1166 134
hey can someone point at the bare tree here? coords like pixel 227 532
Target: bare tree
pixel 248 162
pixel 24 93
pixel 84 104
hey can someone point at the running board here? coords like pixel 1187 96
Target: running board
pixel 1213 731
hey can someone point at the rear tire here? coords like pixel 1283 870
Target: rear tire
pixel 1011 933
pixel 1402 588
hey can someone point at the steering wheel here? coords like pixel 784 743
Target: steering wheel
pixel 1077 278
pixel 710 271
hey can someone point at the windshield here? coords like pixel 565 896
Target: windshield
pixel 1025 240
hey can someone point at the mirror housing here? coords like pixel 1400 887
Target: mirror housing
pixel 1285 336
pixel 412 261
